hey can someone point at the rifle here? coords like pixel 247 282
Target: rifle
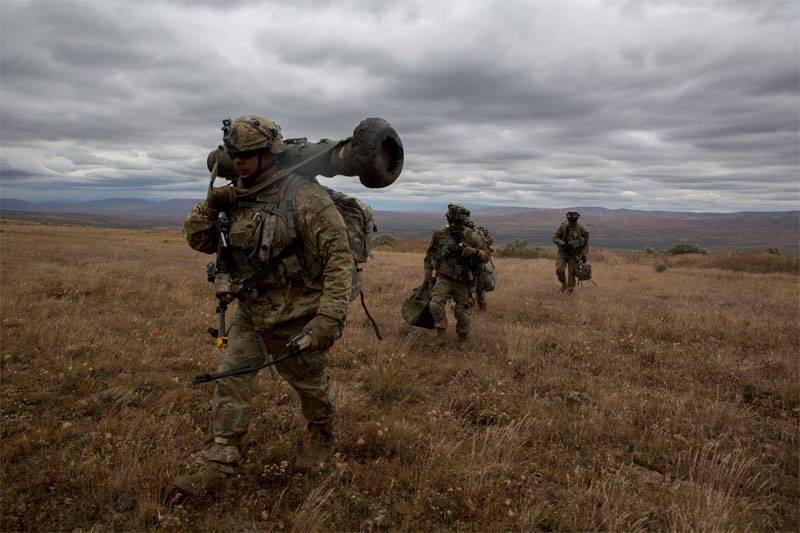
pixel 219 274
pixel 297 344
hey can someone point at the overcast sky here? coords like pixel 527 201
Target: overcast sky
pixel 639 104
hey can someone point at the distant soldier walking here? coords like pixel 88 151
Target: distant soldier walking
pixel 452 262
pixel 572 240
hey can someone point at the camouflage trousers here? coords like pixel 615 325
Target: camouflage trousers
pixel 443 291
pixel 231 407
pixel 562 262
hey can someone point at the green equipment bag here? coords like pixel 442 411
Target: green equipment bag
pixel 583 271
pixel 415 307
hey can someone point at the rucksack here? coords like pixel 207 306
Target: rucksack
pixel 360 224
pixel 488 276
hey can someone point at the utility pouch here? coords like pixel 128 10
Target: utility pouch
pixel 269 231
pixel 290 268
pixel 243 234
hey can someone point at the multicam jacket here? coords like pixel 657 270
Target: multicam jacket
pixel 576 236
pixel 444 253
pixel 311 265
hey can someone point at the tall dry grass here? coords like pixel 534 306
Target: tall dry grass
pixel 653 400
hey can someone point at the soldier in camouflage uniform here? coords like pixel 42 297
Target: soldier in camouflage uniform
pixel 452 261
pixel 572 240
pixel 292 227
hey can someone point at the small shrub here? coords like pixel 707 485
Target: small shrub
pixel 685 248
pixel 660 267
pixel 383 240
pixel 522 249
pixel 649 250
pixel 773 251
pixel 388 382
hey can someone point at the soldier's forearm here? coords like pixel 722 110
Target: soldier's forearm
pixel 200 230
pixel 335 297
pixel 337 275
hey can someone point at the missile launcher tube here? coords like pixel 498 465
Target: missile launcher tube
pixel 374 153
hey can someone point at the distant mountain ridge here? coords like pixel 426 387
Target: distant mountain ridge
pixel 613 228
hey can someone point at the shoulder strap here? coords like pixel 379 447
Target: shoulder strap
pixel 286 205
pixel 289 205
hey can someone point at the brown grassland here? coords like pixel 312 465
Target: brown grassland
pixel 654 400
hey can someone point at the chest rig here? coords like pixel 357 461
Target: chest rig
pixel 573 236
pixel 451 263
pixel 264 240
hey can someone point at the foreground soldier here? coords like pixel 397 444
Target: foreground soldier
pixel 455 254
pixel 572 240
pixel 292 241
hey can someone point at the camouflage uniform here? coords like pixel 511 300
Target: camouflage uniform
pixel 454 272
pixel 572 240
pixel 312 276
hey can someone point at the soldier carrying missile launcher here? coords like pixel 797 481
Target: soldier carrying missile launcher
pixel 289 249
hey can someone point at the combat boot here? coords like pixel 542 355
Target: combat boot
pixel 462 338
pixel 316 450
pixel 210 478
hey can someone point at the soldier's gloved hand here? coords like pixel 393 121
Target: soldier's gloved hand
pixel 324 331
pixel 469 251
pixel 583 258
pixel 483 256
pixel 222 198
pixel 560 243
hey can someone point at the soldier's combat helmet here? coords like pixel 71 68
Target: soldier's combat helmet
pixel 573 215
pixel 250 133
pixel 457 214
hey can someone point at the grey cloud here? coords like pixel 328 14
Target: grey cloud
pixel 493 105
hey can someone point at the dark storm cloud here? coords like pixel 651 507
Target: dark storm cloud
pixel 636 104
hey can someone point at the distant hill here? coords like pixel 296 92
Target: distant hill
pixel 612 228
pixel 622 228
pixel 114 212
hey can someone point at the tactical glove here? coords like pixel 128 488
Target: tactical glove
pixel 324 331
pixel 469 251
pixel 222 198
pixel 560 243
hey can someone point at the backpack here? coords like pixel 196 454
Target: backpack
pixel 488 276
pixel 360 224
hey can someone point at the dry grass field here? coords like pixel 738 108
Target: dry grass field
pixel 652 401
